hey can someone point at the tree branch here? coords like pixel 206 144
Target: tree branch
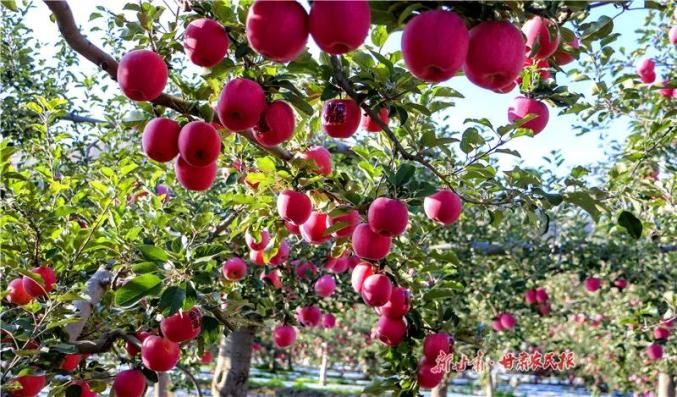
pixel 105 342
pixel 223 225
pixel 96 287
pixel 192 378
pixel 80 44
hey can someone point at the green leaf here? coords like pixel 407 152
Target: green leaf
pixel 138 288
pixel 171 300
pixel 153 253
pixel 630 222
pixel 403 174
pixel 9 4
pixel 586 202
pixel 379 35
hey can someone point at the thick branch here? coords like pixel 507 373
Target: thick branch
pixel 79 43
pixel 192 378
pixel 96 287
pixel 221 316
pixel 105 342
pixel 223 225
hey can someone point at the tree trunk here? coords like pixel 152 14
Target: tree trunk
pixel 161 388
pixel 489 386
pixel 324 365
pixel 666 385
pixel 232 369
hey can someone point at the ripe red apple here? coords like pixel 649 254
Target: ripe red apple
pixel 544 309
pixel 661 333
pixel 434 344
pixel 369 245
pixel 321 157
pixel 391 331
pixel 129 383
pixel 592 284
pixel 234 269
pixel 257 244
pixel 376 290
pixel 30 385
pixel 182 326
pixel 306 270
pixel 292 228
pixel 199 144
pixel 434 45
pixel 507 320
pixel 497 325
pixel 530 297
pixel 206 358
pixel 325 286
pixel 672 35
pixel 541 295
pixel 241 103
pixel 313 230
pixel 284 335
pixel 666 92
pixel 17 294
pixel 496 53
pixel 194 178
pixel 35 289
pixel 444 207
pixel 70 362
pixel 398 305
pixel 278 30
pixel 131 349
pixel 85 390
pixel 621 283
pixel 273 277
pixel 351 218
pixel 542 33
pixel 338 27
pixel 337 265
pixel 522 106
pixel 388 217
pixel 340 117
pixel 142 75
pixel 160 139
pixel 360 273
pixel 205 41
pixel 159 354
pixel 370 125
pixel 309 316
pixel 328 320
pixel 294 206
pixel 563 57
pixel 425 377
pixel 282 254
pixel 645 70
pixel 276 125
pixel 654 351
pixel 507 88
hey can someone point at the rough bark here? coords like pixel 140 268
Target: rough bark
pixel 324 365
pixel 666 385
pixel 232 372
pixel 95 288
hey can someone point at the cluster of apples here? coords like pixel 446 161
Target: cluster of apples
pixel 503 322
pixel 434 345
pixel 647 74
pixel 21 291
pixel 592 284
pixel 661 333
pixel 540 298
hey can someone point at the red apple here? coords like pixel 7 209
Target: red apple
pixel 507 88
pixel 309 316
pixel 672 35
pixel 241 103
pixel 340 117
pixel 70 362
pixel 398 305
pixel 654 351
pixel 306 270
pixel 388 217
pixel 530 297
pixel 621 283
pixel 194 178
pixel 376 290
pixel 35 289
pixel 339 27
pixel 507 320
pixel 206 358
pixel 542 33
pixel 563 57
pixel 661 333
pixel 142 75
pixel 321 157
pixel 337 265
pixel 542 295
pixel 276 125
pixel 497 325
pixel 645 70
pixel 592 284
pixel 29 385
pixel 496 53
pixel 369 245
pixel 328 321
pixel 159 354
pixel 444 207
pixel 360 273
pixel 278 30
pixel 425 376
pixel 391 331
pixel 199 144
pixel 313 230
pixel 544 309
pixel 234 269
pixel 17 294
pixel 292 228
pixel 259 243
pixel 350 218
pixel 284 335
pixel 666 92
pixel 294 207
pixel 325 286
pixel 85 390
pixel 434 45
pixel 372 126
pixel 434 344
pixel 182 326
pixel 129 383
pixel 205 41
pixel 160 139
pixel 273 277
pixel 257 257
pixel 131 349
pixel 522 106
pixel 282 254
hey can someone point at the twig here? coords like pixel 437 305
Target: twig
pixel 192 378
pixel 224 225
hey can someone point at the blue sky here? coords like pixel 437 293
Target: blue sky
pixel 478 103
